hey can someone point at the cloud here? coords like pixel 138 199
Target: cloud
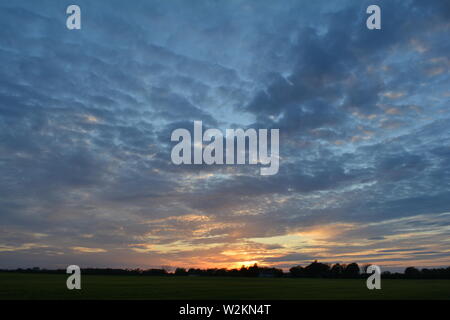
pixel 88 250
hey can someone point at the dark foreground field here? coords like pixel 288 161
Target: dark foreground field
pixel 43 286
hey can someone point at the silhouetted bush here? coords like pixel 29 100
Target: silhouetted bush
pixel 154 272
pixel 412 272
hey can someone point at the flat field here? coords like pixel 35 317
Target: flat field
pixel 53 286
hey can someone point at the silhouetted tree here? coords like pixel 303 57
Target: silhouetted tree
pixel 412 272
pixel 297 271
pixel 336 270
pixel 352 270
pixel 181 272
pixel 364 267
pixel 317 269
pixel 253 271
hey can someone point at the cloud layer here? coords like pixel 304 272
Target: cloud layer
pixel 86 118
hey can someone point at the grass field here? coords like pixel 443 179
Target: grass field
pixel 43 286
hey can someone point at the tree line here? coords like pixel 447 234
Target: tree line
pixel 313 270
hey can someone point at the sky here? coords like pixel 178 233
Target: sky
pixel 86 116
